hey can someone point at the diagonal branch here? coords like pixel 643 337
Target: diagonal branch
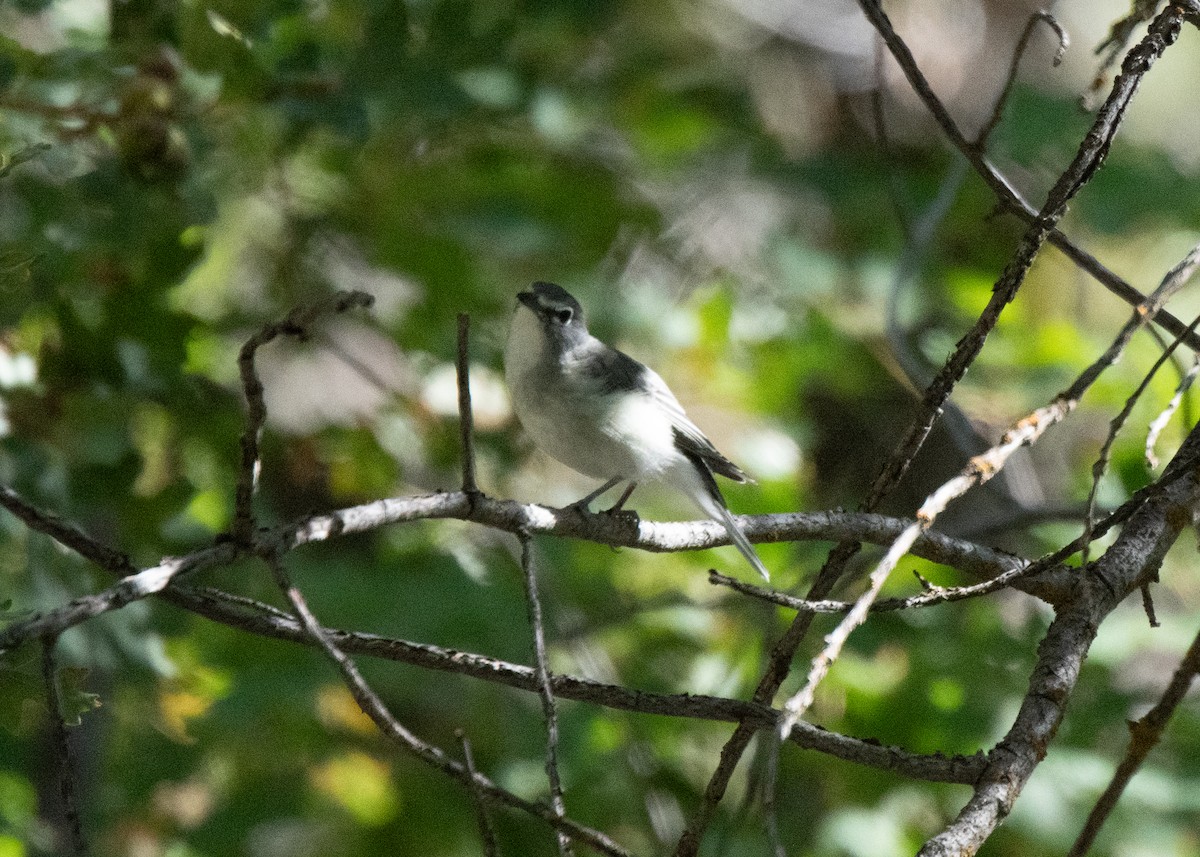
pixel 65 533
pixel 1143 736
pixel 1004 190
pixel 433 756
pixel 1133 560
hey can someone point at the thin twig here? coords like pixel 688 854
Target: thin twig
pixel 1172 282
pixel 487 835
pixel 64 533
pixel 62 750
pixel 127 590
pixel 1100 466
pixel 1160 422
pixel 466 422
pixel 1041 16
pixel 545 687
pixel 295 324
pixel 435 757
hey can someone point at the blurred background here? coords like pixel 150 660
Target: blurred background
pixel 707 177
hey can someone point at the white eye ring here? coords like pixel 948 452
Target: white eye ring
pixel 563 315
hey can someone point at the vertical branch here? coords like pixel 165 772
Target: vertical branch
pixel 549 709
pixel 466 421
pixel 486 834
pixel 62 750
pixel 295 324
pixel 256 416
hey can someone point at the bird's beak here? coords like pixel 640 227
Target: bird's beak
pixel 529 299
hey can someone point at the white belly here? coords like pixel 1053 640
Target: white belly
pixel 598 434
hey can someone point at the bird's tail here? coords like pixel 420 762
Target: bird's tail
pixel 740 541
pixel 698 482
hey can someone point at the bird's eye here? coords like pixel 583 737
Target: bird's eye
pixel 563 315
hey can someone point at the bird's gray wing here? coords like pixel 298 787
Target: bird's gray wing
pixel 617 372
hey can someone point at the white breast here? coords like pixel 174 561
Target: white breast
pixel 573 419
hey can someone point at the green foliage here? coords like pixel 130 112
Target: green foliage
pixel 175 178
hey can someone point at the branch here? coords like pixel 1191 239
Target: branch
pixel 466 422
pixel 614 531
pixel 1087 160
pixel 128 589
pixel 486 834
pixel 62 750
pixel 1133 559
pixel 295 324
pixel 1100 467
pixel 1004 190
pixel 1041 16
pixel 1143 736
pixel 435 757
pixel 64 533
pixel 545 689
pixel 223 608
pixel 1160 422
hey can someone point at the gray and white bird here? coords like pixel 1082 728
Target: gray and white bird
pixel 604 414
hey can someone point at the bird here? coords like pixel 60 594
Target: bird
pixel 606 415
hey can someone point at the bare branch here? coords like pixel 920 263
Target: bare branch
pixel 486 834
pixel 435 757
pixel 1133 559
pixel 125 591
pixel 220 607
pixel 1100 467
pixel 1041 16
pixel 295 324
pixel 1160 422
pixel 64 533
pixel 1004 190
pixel 545 688
pixel 1087 160
pixel 466 422
pixel 62 749
pixel 1144 734
pixel 510 517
